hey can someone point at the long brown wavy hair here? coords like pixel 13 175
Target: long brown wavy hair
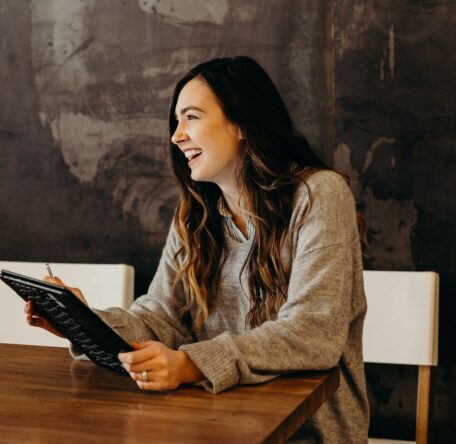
pixel 274 160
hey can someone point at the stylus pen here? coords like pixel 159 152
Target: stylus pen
pixel 49 270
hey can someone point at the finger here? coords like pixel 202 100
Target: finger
pixel 30 309
pixel 140 345
pixel 29 319
pixel 138 356
pixel 149 365
pixel 35 321
pixel 30 314
pixel 54 280
pixel 137 376
pixel 136 345
pixel 154 386
pixel 57 281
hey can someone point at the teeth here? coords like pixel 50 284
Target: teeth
pixel 190 153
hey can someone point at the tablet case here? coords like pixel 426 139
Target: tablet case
pixel 72 318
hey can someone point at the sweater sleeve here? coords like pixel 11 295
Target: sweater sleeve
pixel 311 328
pixel 154 316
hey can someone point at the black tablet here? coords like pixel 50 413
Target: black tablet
pixel 72 318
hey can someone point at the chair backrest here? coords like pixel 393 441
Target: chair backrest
pixel 103 285
pixel 401 325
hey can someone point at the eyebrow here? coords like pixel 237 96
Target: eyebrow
pixel 188 108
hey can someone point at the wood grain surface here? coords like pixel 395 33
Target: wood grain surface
pixel 46 397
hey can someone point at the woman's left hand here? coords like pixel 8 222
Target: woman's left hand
pixel 165 369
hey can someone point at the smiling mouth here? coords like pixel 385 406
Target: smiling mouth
pixel 192 155
pixel 193 158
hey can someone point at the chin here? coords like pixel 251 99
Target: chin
pixel 197 177
pixel 197 174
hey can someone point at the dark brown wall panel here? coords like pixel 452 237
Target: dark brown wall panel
pixel 395 82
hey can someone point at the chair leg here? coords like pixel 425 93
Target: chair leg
pixel 422 407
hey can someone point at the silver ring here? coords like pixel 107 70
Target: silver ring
pixel 144 376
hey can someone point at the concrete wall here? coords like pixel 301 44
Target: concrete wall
pixel 86 87
pixel 83 108
pixel 395 82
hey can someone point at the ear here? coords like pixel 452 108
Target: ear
pixel 241 135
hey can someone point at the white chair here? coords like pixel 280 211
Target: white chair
pixel 401 327
pixel 103 285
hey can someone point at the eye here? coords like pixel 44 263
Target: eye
pixel 191 117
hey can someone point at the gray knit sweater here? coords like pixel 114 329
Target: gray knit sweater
pixel 318 327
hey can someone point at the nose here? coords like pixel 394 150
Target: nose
pixel 179 134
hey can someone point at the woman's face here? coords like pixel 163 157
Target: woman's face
pixel 209 141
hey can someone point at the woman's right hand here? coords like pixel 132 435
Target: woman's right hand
pixel 35 320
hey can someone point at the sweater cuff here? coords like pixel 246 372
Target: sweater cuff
pixel 214 362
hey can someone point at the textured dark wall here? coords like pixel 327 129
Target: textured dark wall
pixel 395 82
pixel 83 109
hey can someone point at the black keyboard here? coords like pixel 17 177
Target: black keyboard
pixel 51 307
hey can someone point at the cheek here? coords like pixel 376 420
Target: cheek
pixel 217 140
pixel 201 135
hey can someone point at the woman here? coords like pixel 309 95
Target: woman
pixel 261 273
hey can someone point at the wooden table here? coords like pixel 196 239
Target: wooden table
pixel 46 397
